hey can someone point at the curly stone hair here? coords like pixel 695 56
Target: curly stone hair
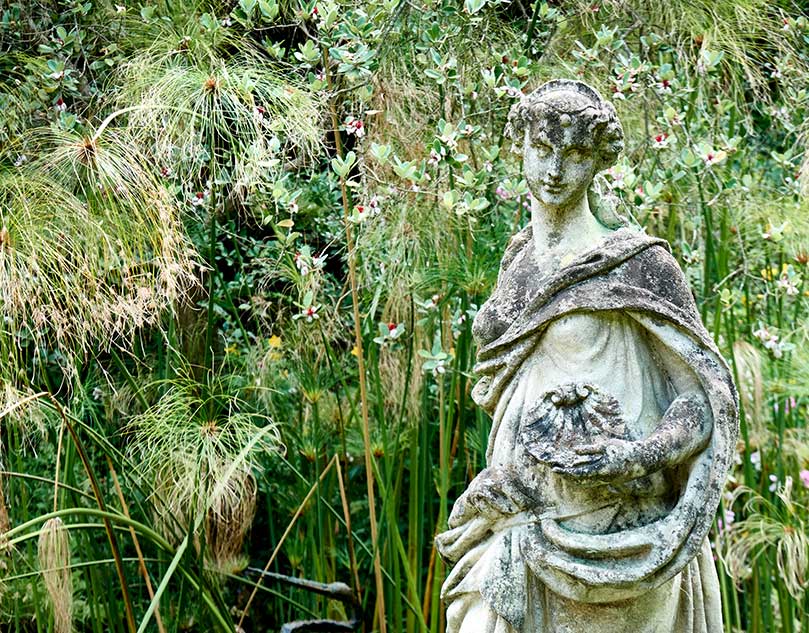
pixel 603 121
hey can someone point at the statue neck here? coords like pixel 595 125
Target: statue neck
pixel 559 232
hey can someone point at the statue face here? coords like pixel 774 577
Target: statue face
pixel 559 159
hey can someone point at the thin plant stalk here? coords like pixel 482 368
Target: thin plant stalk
pixel 366 433
pixel 141 561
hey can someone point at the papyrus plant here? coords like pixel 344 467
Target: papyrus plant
pixel 198 446
pixel 91 245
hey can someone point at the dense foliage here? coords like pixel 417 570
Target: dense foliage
pixel 241 248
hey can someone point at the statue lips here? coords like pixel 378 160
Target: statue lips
pixel 553 188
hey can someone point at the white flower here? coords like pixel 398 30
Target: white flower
pixel 661 140
pixel 449 140
pixel 302 263
pixel 309 314
pixel 200 198
pixel 319 261
pixel 435 157
pixel 770 341
pixel 355 127
pixel 360 214
pixel 711 157
pixel 664 86
pixel 755 459
pixel 509 91
pixel 22 158
pixel 260 115
pixel 774 483
pixel 787 285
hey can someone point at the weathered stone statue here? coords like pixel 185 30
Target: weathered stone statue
pixel 614 415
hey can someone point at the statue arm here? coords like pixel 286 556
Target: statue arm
pixel 685 427
pixel 684 430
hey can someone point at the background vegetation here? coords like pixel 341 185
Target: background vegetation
pixel 241 247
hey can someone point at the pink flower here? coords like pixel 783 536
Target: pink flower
pixel 755 459
pixel 804 476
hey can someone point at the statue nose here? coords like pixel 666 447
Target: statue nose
pixel 555 167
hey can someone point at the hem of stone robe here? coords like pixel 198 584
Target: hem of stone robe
pixel 690 602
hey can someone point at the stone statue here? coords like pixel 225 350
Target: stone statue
pixel 614 414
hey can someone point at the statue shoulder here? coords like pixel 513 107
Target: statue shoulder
pixel 659 272
pixel 517 242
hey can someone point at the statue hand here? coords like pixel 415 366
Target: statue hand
pixel 494 493
pixel 610 461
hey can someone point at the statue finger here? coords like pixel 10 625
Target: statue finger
pixel 587 470
pixel 589 449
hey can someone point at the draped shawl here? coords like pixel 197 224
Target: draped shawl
pixel 635 274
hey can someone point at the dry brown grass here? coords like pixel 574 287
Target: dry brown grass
pixel 54 563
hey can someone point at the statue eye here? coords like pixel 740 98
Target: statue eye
pixel 576 154
pixel 543 149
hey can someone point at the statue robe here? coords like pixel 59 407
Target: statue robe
pixel 620 317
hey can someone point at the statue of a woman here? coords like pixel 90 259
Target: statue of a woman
pixel 614 415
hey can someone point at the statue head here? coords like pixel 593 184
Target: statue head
pixel 568 134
